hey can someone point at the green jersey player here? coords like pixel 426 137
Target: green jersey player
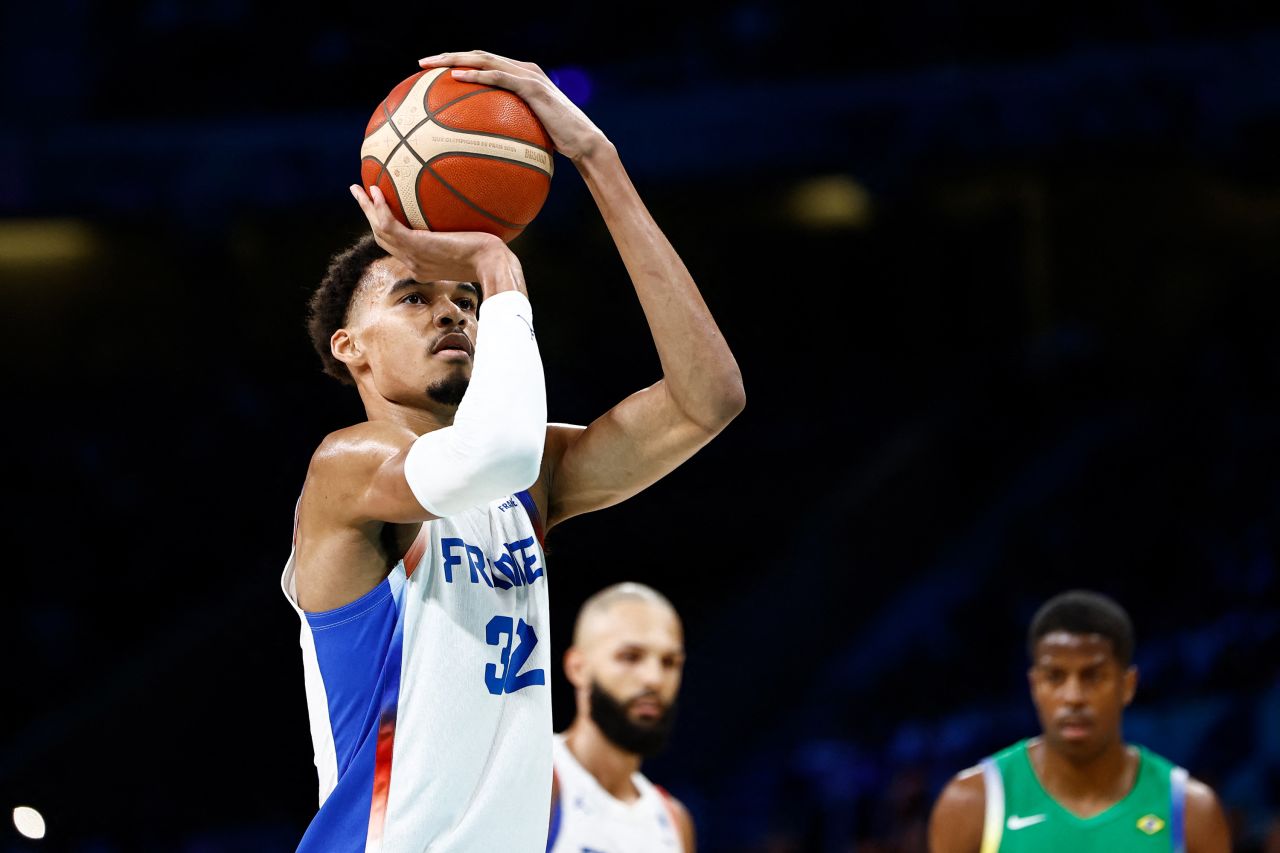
pixel 1078 787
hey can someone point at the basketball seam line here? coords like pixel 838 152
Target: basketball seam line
pixel 479 155
pixel 383 170
pixel 546 151
pixel 468 202
pixel 426 96
pixel 403 143
pixel 431 115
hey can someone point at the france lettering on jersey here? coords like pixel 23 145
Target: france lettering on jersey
pixel 586 818
pixel 428 698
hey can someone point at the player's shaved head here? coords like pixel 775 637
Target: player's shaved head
pixel 591 618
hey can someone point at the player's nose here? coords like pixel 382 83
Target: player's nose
pixel 651 672
pixel 449 314
pixel 1073 691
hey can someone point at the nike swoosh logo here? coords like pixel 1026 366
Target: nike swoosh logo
pixel 1015 823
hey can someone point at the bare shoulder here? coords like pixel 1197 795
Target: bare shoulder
pixel 1206 824
pixel 358 444
pixel 956 823
pixel 346 460
pixel 684 822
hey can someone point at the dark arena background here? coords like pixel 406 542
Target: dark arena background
pixel 1003 279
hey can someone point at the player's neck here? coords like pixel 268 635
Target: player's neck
pixel 421 421
pixel 603 759
pixel 1099 781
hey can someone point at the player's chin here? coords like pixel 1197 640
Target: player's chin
pixel 1076 740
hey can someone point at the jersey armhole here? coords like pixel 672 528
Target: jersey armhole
pixel 993 816
pixel 535 517
pixel 1178 809
pixel 669 802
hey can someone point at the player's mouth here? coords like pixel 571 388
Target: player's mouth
pixel 453 345
pixel 649 709
pixel 1075 728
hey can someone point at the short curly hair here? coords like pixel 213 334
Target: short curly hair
pixel 329 304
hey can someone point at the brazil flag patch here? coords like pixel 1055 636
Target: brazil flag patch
pixel 1150 824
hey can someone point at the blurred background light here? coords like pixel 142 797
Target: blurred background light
pixel 834 201
pixel 29 822
pixel 45 243
pixel 574 82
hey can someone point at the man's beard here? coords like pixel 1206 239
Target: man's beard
pixel 645 739
pixel 449 390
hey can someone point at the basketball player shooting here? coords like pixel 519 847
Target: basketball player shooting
pixel 417 567
pixel 625 665
pixel 1079 786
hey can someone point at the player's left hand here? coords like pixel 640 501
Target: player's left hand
pixel 574 135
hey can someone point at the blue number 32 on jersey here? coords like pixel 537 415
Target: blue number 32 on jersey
pixel 510 679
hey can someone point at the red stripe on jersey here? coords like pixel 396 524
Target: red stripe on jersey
pixel 669 802
pixel 419 547
pixel 381 777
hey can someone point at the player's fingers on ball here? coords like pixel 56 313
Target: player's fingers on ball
pixel 357 192
pixel 466 57
pixel 505 62
pixel 483 59
pixel 380 215
pixel 492 77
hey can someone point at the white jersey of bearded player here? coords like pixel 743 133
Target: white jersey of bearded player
pixel 428 697
pixel 587 817
pixel 411 139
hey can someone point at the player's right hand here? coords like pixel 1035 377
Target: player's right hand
pixel 440 255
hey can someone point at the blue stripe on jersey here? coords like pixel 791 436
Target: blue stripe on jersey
pixel 342 824
pixel 1178 809
pixel 531 509
pixel 352 642
pixel 554 831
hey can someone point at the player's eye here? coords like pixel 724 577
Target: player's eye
pixel 414 299
pixel 465 303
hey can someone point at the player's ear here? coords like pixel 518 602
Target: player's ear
pixel 1130 684
pixel 345 348
pixel 575 667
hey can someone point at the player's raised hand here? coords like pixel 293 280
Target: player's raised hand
pixel 440 255
pixel 574 135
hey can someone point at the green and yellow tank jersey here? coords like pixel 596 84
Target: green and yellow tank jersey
pixel 1022 816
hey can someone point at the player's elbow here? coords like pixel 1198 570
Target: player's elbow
pixel 724 404
pixel 512 464
pixel 451 470
pixel 734 398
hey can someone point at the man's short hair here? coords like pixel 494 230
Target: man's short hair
pixel 329 304
pixel 611 595
pixel 1080 611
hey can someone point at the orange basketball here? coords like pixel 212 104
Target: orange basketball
pixel 456 156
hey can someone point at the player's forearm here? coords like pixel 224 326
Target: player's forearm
pixel 700 371
pixel 494 446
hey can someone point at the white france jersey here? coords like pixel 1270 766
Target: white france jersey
pixel 428 696
pixel 586 818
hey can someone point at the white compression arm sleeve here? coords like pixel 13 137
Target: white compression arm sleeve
pixel 494 447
